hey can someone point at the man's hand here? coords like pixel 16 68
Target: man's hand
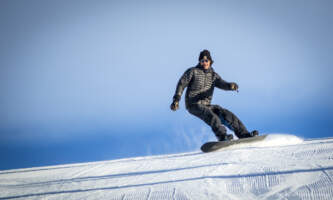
pixel 174 106
pixel 234 86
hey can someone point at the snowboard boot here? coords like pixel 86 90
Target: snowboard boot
pixel 252 134
pixel 226 137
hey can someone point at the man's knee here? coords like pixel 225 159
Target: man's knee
pixel 221 112
pixel 206 114
pixel 196 110
pixel 210 116
pixel 217 109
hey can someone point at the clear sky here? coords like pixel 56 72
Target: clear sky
pixel 93 80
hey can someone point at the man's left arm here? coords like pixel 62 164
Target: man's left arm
pixel 224 85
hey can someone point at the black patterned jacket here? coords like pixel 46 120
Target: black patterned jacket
pixel 200 85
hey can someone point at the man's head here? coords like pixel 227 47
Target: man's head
pixel 205 59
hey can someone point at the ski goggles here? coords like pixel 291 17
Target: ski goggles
pixel 204 60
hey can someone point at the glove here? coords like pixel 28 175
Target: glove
pixel 174 106
pixel 234 86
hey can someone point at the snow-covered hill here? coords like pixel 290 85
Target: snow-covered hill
pixel 282 167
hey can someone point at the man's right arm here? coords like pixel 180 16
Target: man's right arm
pixel 182 84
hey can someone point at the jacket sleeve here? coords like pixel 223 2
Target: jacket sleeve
pixel 222 84
pixel 183 83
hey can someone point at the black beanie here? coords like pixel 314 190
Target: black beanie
pixel 206 53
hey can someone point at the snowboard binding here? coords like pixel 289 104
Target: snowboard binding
pixel 226 137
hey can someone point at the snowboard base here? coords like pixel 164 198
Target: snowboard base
pixel 213 146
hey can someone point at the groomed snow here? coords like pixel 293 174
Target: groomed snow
pixel 281 167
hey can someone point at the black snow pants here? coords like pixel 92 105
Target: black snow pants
pixel 216 116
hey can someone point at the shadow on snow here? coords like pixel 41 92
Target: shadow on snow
pixel 110 176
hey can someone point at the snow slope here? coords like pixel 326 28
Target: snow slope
pixel 282 167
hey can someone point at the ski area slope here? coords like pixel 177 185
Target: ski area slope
pixel 282 167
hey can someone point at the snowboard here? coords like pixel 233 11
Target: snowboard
pixel 213 146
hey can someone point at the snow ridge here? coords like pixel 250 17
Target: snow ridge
pixel 281 167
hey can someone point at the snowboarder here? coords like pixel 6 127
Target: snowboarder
pixel 200 81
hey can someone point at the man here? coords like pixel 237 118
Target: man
pixel 200 82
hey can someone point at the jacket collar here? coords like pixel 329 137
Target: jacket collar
pixel 205 70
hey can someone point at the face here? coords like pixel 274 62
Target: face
pixel 205 62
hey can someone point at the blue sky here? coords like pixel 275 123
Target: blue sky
pixel 93 80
